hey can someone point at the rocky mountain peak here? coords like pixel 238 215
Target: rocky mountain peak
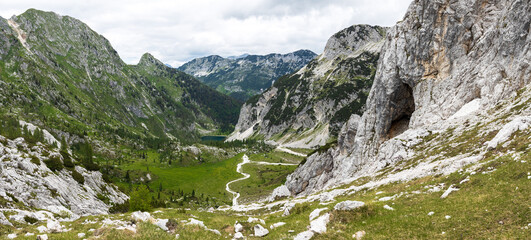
pixel 148 60
pixel 305 109
pixel 352 40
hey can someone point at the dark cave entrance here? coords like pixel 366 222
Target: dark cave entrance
pixel 402 107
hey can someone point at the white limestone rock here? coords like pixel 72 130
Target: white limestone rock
pixel 319 225
pixel 348 205
pixel 315 213
pixel 260 231
pixel 238 235
pixel 306 235
pixel 448 191
pixel 161 223
pixel 3 220
pixel 57 191
pixel 42 237
pixel 279 192
pixel 141 216
pixel 517 124
pixel 238 227
pixel 276 225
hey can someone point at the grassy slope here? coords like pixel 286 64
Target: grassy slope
pixel 208 178
pixel 476 211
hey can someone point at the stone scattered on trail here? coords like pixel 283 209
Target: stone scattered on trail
pixel 348 205
pixel 81 235
pixel 12 235
pixel 431 213
pixel 260 231
pixel 315 213
pixel 319 225
pixel 278 224
pixel 447 216
pixel 306 235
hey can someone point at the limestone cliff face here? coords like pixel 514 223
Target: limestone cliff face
pixel 308 107
pixel 443 55
pixel 26 179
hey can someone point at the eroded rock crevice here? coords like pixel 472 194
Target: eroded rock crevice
pixel 402 107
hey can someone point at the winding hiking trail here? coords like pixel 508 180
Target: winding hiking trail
pixel 246 175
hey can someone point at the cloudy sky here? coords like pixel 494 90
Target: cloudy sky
pixel 176 31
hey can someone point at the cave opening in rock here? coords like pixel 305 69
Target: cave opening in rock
pixel 402 107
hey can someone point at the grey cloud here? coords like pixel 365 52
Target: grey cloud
pixel 177 31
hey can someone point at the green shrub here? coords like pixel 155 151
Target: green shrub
pixel 140 200
pixel 54 163
pixel 119 208
pixel 103 198
pixel 30 220
pixel 78 177
pixel 35 160
pixel 67 160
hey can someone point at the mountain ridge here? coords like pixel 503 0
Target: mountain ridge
pixel 248 75
pixel 307 108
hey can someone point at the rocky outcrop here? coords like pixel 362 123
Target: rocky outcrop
pixel 26 179
pixel 306 108
pixel 444 56
pixel 248 75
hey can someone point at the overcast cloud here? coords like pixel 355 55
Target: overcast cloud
pixel 178 31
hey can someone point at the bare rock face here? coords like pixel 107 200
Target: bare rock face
pixel 25 178
pixel 306 108
pixel 443 55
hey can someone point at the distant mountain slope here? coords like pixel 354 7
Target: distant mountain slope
pixel 247 75
pixel 57 72
pixel 306 108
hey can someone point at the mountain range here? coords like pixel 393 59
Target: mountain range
pixel 247 75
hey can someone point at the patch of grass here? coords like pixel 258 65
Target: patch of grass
pixel 264 179
pixel 208 178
